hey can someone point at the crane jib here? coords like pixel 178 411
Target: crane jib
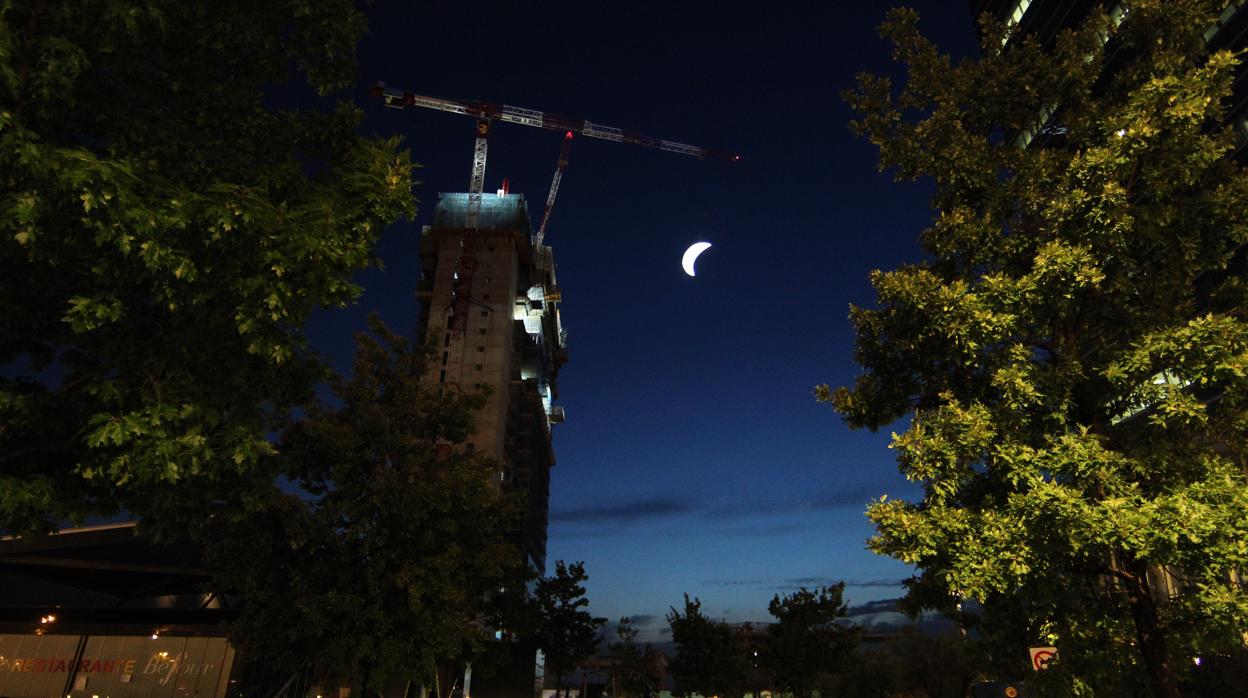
pixel 398 99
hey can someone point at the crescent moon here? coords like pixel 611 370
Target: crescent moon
pixel 691 256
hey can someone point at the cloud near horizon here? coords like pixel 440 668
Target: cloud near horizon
pixel 626 512
pixel 662 507
pixel 808 582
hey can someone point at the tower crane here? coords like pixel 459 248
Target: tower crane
pixel 554 187
pixel 490 111
pixel 486 113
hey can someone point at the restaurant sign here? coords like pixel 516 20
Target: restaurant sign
pixel 37 666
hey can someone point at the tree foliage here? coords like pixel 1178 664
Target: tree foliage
pixel 632 674
pixel 709 659
pixel 1073 351
pixel 566 632
pixel 910 663
pixel 164 234
pixel 805 642
pixel 381 564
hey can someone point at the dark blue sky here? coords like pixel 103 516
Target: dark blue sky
pixel 694 458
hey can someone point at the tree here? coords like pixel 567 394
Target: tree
pixel 566 632
pixel 708 657
pixel 910 663
pixel 806 642
pixel 381 564
pixel 164 235
pixel 632 673
pixel 1073 351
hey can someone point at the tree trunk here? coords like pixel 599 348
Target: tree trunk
pixel 1151 638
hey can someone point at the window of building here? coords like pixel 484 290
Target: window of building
pixel 485 313
pixel 1228 13
pixel 1019 10
pixel 442 376
pixel 445 355
pixel 447 343
pixel 485 296
pixel 479 367
pixel 481 331
pixel 480 350
pixel 1014 17
pixel 450 321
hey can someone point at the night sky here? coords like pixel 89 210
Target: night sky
pixel 694 458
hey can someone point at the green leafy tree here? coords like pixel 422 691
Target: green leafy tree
pixel 566 632
pixel 709 659
pixel 164 235
pixel 382 563
pixel 1073 350
pixel 806 642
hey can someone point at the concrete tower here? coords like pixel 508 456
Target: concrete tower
pixel 491 305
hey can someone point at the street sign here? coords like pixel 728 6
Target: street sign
pixel 1041 656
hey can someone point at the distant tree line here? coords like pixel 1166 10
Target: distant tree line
pixel 799 653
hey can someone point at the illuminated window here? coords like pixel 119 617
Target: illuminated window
pixel 1014 17
pixel 1118 14
pixel 1024 138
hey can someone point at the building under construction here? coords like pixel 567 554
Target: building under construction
pixel 490 301
pixel 491 304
